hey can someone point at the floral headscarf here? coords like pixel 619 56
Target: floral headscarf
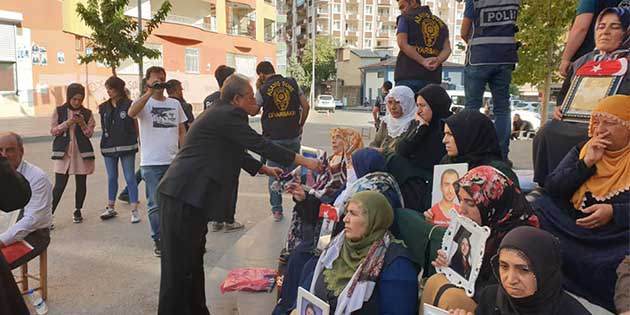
pixel 501 205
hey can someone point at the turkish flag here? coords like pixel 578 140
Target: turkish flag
pixel 328 211
pixel 607 68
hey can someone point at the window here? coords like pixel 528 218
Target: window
pixel 337 25
pixel 336 8
pixel 192 60
pixel 367 43
pixel 380 74
pixel 368 26
pixel 7 76
pixel 368 9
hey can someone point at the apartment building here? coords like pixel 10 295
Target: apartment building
pixel 363 24
pixel 40 41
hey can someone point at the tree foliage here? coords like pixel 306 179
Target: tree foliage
pixel 324 61
pixel 114 35
pixel 296 71
pixel 542 24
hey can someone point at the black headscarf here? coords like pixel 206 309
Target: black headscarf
pixel 440 104
pixel 542 251
pixel 475 137
pixel 74 89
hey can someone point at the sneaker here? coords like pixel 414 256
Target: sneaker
pixel 135 217
pixel 108 213
pixel 77 217
pixel 277 216
pixel 231 227
pixel 216 226
pixel 157 250
pixel 123 197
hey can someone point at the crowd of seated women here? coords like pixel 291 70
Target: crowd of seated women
pixel 570 243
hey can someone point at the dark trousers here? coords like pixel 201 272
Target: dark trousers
pixel 39 240
pixel 183 229
pixel 61 180
pixel 11 301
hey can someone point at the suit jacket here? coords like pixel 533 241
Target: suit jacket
pixel 213 153
pixel 15 193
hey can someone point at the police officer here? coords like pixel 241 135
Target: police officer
pixel 285 110
pixel 424 45
pixel 488 28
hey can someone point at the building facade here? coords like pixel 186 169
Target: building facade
pixel 196 38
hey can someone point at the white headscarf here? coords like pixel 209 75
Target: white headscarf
pixel 397 126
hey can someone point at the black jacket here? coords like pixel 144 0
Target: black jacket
pixel 214 151
pixel 61 142
pixel 119 129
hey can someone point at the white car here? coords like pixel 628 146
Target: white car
pixel 325 102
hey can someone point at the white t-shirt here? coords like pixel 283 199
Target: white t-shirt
pixel 159 131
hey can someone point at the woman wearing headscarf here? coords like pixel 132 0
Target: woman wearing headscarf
pixel 460 262
pixel 369 166
pixel 489 198
pixel 365 270
pixel 401 111
pixel 556 138
pixel 421 148
pixel 470 137
pixel 590 203
pixel 72 125
pixel 530 278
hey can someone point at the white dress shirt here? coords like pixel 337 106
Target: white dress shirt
pixel 38 211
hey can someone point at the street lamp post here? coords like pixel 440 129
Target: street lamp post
pixel 140 59
pixel 313 35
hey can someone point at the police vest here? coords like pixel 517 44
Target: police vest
pixel 119 130
pixel 426 33
pixel 61 142
pixel 494 28
pixel 589 41
pixel 281 108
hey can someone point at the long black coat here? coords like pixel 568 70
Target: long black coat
pixel 15 193
pixel 205 172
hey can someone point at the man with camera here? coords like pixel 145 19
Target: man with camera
pixel 162 130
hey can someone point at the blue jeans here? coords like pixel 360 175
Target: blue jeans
pixel 127 162
pixel 414 85
pixel 138 181
pixel 275 198
pixel 498 77
pixel 152 175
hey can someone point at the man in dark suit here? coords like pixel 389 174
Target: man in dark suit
pixel 15 193
pixel 201 185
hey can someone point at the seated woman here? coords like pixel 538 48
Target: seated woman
pixel 365 270
pixel 489 198
pixel 470 137
pixel 421 148
pixel 401 112
pixel 590 209
pixel 556 138
pixel 369 167
pixel 528 267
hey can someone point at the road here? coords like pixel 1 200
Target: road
pixel 108 267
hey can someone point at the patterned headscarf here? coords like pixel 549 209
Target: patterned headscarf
pixel 351 138
pixel 501 205
pixel 397 126
pixel 612 175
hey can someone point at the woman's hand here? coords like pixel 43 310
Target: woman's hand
pixel 600 214
pixel 557 113
pixel 441 260
pixel 596 148
pixel 428 215
pixel 296 189
pixel 459 312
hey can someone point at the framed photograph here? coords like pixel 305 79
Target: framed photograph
pixel 584 94
pixel 432 310
pixel 443 196
pixel 309 304
pixel 464 243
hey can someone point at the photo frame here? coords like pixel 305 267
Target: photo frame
pixel 444 175
pixel 584 94
pixel 309 304
pixel 464 259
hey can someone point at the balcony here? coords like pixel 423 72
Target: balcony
pixel 241 20
pixel 208 23
pixel 386 3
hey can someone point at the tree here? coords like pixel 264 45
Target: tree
pixel 324 60
pixel 542 24
pixel 296 71
pixel 114 35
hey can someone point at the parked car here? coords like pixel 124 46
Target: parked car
pixel 338 104
pixel 325 102
pixel 528 106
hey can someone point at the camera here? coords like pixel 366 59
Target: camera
pixel 160 85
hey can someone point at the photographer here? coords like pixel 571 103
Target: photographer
pixel 161 121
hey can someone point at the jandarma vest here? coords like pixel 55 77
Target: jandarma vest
pixel 60 143
pixel 119 130
pixel 281 108
pixel 493 33
pixel 426 34
pixel 589 41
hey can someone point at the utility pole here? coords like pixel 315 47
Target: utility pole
pixel 313 34
pixel 140 59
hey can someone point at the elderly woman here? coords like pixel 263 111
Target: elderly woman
pixel 528 268
pixel 489 198
pixel 365 270
pixel 556 138
pixel 401 111
pixel 421 148
pixel 589 211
